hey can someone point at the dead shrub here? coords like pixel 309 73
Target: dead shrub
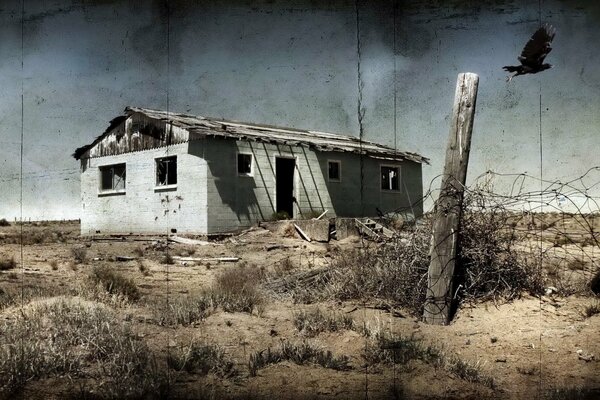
pixel 138 251
pixel 81 338
pixel 7 264
pixel 186 251
pixel 591 310
pixel 490 267
pixel 143 268
pixel 54 265
pixel 576 264
pixel 202 359
pixel 115 283
pixel 79 254
pixel 236 289
pixel 184 311
pixel 311 323
pixel 167 259
pixel 283 268
pixel 298 353
pixel 398 349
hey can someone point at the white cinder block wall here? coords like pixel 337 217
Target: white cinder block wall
pixel 210 197
pixel 144 208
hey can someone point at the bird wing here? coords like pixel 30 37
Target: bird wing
pixel 538 47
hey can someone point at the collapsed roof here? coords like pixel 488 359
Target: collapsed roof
pixel 199 127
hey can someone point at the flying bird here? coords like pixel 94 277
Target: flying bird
pixel 533 54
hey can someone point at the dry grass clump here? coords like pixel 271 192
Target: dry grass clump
pixel 572 393
pixel 7 263
pixel 114 283
pixel 591 310
pixel 236 289
pixel 79 254
pixel 32 235
pixel 576 264
pixel 11 295
pixel 71 337
pixel 299 353
pixel 311 323
pixel 186 251
pixel 167 259
pixel 139 251
pixel 398 349
pixel 143 268
pixel 184 311
pixel 202 359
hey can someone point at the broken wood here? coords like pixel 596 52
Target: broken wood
pixel 183 240
pixel 302 234
pixel 216 259
pixel 320 216
pixel 373 229
pixel 125 258
pixel 274 246
pixel 448 206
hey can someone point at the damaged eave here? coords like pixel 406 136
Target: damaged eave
pixel 198 127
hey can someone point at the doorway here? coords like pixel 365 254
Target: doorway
pixel 284 178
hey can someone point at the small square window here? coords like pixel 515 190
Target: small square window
pixel 244 164
pixel 334 169
pixel 390 178
pixel 166 171
pixel 112 177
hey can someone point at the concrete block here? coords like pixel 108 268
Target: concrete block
pixel 345 227
pixel 317 230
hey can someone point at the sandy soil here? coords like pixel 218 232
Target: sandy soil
pixel 531 346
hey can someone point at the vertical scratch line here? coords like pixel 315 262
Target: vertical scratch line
pixel 21 373
pixel 359 104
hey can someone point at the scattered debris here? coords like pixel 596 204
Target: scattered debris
pixel 182 240
pixel 275 246
pixel 125 258
pixel 373 230
pixel 216 259
pixel 585 357
pixel 550 290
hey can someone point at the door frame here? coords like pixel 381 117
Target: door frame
pixel 295 209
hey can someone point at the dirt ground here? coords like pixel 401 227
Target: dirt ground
pixel 533 347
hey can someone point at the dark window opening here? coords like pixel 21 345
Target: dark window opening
pixel 244 164
pixel 390 178
pixel 334 168
pixel 112 177
pixel 166 171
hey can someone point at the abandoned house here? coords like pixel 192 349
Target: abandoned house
pixel 156 171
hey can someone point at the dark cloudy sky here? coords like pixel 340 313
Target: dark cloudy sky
pixel 291 63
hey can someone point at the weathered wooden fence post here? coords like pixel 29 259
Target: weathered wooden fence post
pixel 448 206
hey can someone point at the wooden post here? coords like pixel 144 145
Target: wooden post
pixel 448 205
